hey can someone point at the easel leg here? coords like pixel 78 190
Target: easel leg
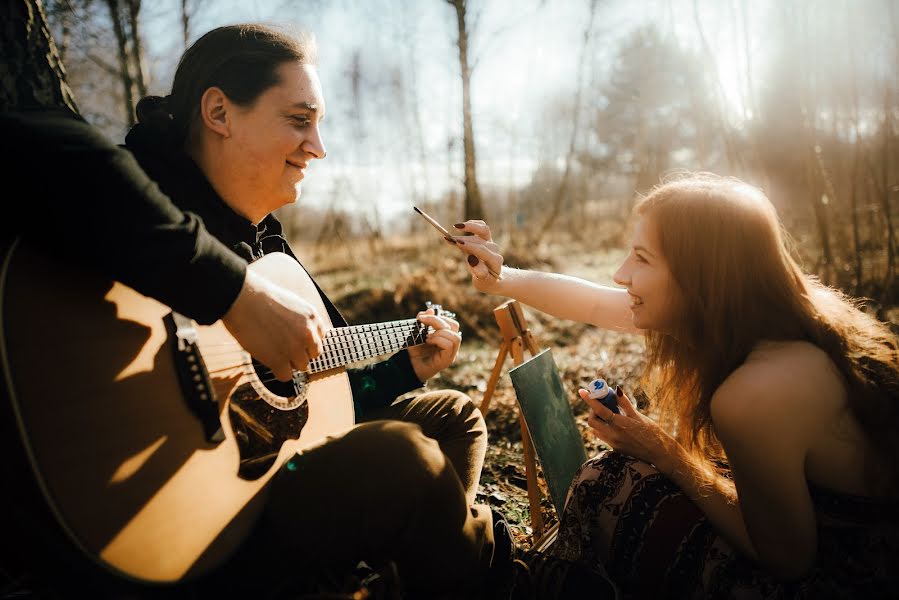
pixel 516 338
pixel 530 465
pixel 494 377
pixel 516 348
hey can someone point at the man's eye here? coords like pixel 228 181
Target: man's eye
pixel 639 258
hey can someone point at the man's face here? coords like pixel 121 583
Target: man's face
pixel 273 140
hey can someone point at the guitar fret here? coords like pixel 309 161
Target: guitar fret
pixel 345 352
pixel 356 343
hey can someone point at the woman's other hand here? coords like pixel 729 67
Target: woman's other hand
pixel 631 432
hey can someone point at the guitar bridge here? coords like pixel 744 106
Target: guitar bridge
pixel 193 376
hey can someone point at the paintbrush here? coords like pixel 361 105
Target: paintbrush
pixel 449 237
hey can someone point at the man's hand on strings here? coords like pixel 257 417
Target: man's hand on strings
pixel 277 327
pixel 440 348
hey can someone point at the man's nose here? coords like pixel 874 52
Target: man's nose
pixel 314 145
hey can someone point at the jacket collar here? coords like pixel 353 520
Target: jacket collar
pixel 179 177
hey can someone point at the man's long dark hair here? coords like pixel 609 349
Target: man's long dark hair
pixel 241 60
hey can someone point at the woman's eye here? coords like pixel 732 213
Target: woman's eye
pixel 300 121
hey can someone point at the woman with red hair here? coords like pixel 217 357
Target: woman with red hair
pixel 772 469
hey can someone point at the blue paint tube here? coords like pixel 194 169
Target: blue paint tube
pixel 600 390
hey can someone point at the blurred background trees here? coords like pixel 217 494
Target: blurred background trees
pixel 551 115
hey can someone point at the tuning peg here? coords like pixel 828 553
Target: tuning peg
pixel 439 310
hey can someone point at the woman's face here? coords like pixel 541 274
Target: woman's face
pixel 272 141
pixel 656 299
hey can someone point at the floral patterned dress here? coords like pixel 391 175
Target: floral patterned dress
pixel 655 543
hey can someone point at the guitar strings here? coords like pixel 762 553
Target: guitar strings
pixel 341 350
pixel 322 363
pixel 350 353
pixel 354 340
pixel 326 359
pixel 228 368
pixel 359 330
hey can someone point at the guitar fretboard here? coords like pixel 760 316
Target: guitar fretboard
pixel 347 345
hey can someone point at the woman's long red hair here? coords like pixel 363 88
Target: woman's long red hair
pixel 729 255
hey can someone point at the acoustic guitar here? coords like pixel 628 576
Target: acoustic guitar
pixel 152 438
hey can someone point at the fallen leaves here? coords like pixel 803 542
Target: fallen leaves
pixel 395 285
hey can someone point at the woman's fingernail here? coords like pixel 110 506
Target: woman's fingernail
pixel 618 391
pixel 459 225
pixel 473 260
pixel 450 240
pixel 460 242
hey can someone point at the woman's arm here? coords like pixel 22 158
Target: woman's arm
pixel 559 295
pixel 765 417
pixel 766 512
pixel 716 496
pixel 567 297
pixel 637 435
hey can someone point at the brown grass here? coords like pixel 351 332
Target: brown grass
pixel 392 279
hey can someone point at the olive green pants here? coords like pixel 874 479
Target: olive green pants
pixel 399 487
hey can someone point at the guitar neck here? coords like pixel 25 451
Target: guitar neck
pixel 347 345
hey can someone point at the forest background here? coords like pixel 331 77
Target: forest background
pixel 547 118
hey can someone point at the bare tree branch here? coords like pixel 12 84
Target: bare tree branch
pixel 562 189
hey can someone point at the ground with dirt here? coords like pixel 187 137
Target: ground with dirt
pixel 396 281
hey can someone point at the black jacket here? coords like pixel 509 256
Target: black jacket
pixel 69 190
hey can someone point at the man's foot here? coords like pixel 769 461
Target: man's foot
pixel 499 577
pixel 540 576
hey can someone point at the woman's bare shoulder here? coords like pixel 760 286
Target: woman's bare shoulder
pixel 781 378
pixel 775 356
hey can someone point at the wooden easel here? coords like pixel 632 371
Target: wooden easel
pixel 516 339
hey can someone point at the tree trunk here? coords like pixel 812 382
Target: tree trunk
pixel 886 191
pixel 115 12
pixel 65 19
pixel 473 206
pixel 857 150
pixel 856 229
pixel 418 134
pixel 562 190
pixel 734 157
pixel 137 46
pixel 31 73
pixel 185 22
pixel 819 209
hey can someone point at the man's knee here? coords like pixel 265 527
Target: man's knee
pixel 456 407
pixel 468 413
pixel 407 450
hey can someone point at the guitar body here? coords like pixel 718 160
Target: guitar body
pixel 125 463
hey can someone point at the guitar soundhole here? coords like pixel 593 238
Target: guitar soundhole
pixel 261 430
pixel 287 389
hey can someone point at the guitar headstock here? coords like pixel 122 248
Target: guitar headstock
pixel 439 310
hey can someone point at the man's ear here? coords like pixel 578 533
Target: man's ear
pixel 214 111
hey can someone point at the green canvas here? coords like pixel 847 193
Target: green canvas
pixel 550 420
